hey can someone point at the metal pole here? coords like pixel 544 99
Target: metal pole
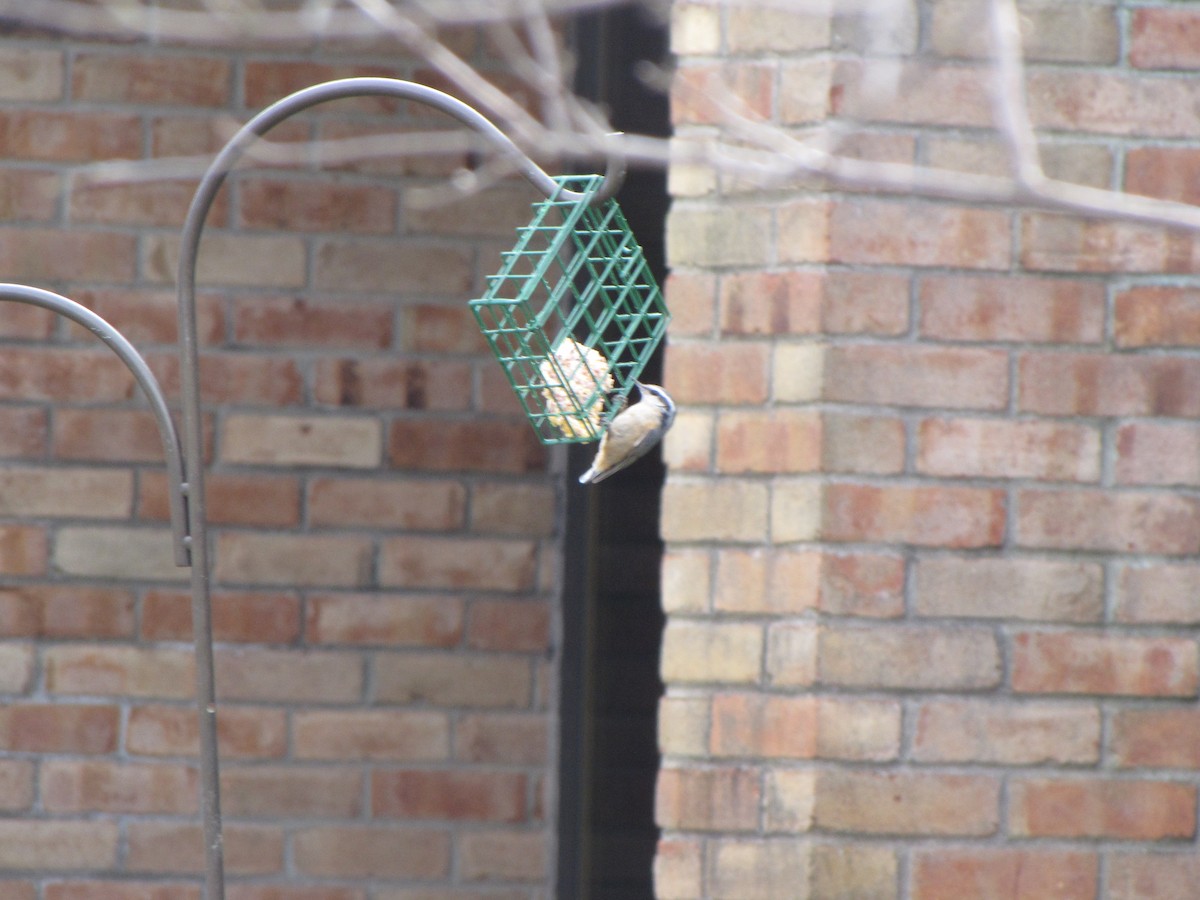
pixel 206 192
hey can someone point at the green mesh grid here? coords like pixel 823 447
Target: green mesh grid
pixel 575 282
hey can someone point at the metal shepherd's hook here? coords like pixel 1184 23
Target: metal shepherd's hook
pixel 210 184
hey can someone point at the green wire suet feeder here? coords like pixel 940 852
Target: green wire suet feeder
pixel 573 315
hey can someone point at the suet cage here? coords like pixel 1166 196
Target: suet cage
pixel 574 313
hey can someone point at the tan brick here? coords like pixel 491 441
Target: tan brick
pixel 688 446
pixel 505 738
pixel 991 448
pixel 964 378
pixel 385 619
pixel 1101 808
pixel 866 584
pixel 504 856
pixel 302 440
pixel 389 267
pixel 792 653
pixel 231 260
pixel 166 847
pixel 31 74
pixel 899 657
pixel 854 729
pixel 678 869
pixel 705 238
pixel 699 651
pixel 708 799
pixel 16 668
pixel 1157 593
pixel 122 553
pixel 147 79
pixel 1078 163
pixel 496 564
pixel 715 509
pixel 293 559
pixel 1010 588
pixel 1083 663
pixel 1132 876
pixel 513 509
pixel 74 786
pixel 57 845
pixel 849 870
pixel 1050 32
pixel 160 203
pixel 1108 521
pixel 804 226
pixel 75 136
pixel 796 508
pixel 789 796
pixel 772 30
pixel 453 680
pixel 404 735
pixel 933 94
pixel 701 90
pixel 907 803
pixel 949 874
pixel 291 792
pixel 372 851
pixel 798 372
pixel 704 372
pixel 756 869
pixel 862 443
pixel 1014 734
pixel 683 725
pixel 288 676
pixel 116 670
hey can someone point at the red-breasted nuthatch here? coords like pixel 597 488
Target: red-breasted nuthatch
pixel 632 433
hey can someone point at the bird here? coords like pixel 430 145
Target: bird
pixel 632 433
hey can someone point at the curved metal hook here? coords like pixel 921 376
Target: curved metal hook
pixel 125 351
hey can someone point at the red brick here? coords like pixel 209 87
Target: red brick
pixel 1157 738
pixel 108 435
pixel 372 852
pixel 1012 734
pixel 1169 173
pixel 1165 38
pixel 1010 588
pixel 59 728
pixel 487 212
pixel 479 446
pixel 1055 243
pixel 394 620
pixel 733 373
pixel 509 625
pixel 68 786
pixel 116 890
pixel 1142 876
pixel 418 384
pixel 907 803
pixel 862 584
pixel 765 303
pixel 63 611
pixel 453 679
pixel 700 94
pixel 904 375
pixel 1099 102
pixel 1154 316
pixel 291 792
pixel 438 328
pixel 75 136
pixel 898 657
pixel 243 616
pixel 1124 522
pixel 923 515
pixel 408 735
pixel 242 732
pixel 518 510
pixel 296 322
pixel 241 378
pixel 865 303
pixel 710 799
pixel 457 563
pixel 448 795
pixel 288 676
pixel 778 440
pixel 882 232
pixel 422 505
pixel 932 95
pixel 1096 384
pixel 1166 453
pixel 266 81
pixel 997 448
pixel 961 308
pixel 850 728
pixel 167 847
pixel 758 725
pixel 17 789
pixel 692 299
pixel 507 738
pixel 993 874
pixel 299 204
pixel 30 196
pixel 266 500
pixel 74 375
pixel 1100 808
pixel 1081 663
pixel 145 79
pixel 762 581
pixel 147 316
pixel 1157 593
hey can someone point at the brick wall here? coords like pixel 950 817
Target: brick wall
pixel 385 552
pixel 932 515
